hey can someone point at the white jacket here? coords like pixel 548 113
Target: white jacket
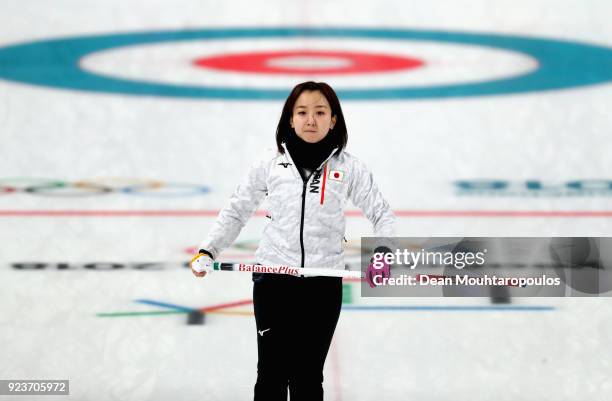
pixel 307 222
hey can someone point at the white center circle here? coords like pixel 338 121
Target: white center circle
pixel 308 62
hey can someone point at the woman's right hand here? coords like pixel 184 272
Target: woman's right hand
pixel 201 264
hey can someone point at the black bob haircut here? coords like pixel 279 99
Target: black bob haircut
pixel 339 133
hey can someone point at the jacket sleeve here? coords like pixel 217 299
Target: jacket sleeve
pixel 364 193
pixel 241 206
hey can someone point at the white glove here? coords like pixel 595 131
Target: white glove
pixel 201 263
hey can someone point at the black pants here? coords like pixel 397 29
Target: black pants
pixel 296 318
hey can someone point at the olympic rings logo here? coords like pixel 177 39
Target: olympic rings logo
pixel 100 186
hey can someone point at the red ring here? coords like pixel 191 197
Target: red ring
pixel 258 62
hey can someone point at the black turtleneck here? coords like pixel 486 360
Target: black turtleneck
pixel 308 156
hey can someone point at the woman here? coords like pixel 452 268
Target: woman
pixel 307 181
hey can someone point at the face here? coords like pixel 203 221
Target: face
pixel 312 118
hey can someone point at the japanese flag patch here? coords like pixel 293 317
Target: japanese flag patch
pixel 336 175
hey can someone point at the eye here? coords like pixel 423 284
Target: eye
pixel 320 113
pixel 301 113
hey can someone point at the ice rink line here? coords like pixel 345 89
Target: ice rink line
pixel 348 213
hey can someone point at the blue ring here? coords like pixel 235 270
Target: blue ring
pixel 55 63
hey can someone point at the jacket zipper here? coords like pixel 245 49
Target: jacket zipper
pixel 302 220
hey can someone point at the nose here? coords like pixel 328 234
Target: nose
pixel 310 120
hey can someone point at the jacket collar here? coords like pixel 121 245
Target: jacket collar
pixel 289 159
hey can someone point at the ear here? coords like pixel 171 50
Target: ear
pixel 333 122
pixel 291 122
